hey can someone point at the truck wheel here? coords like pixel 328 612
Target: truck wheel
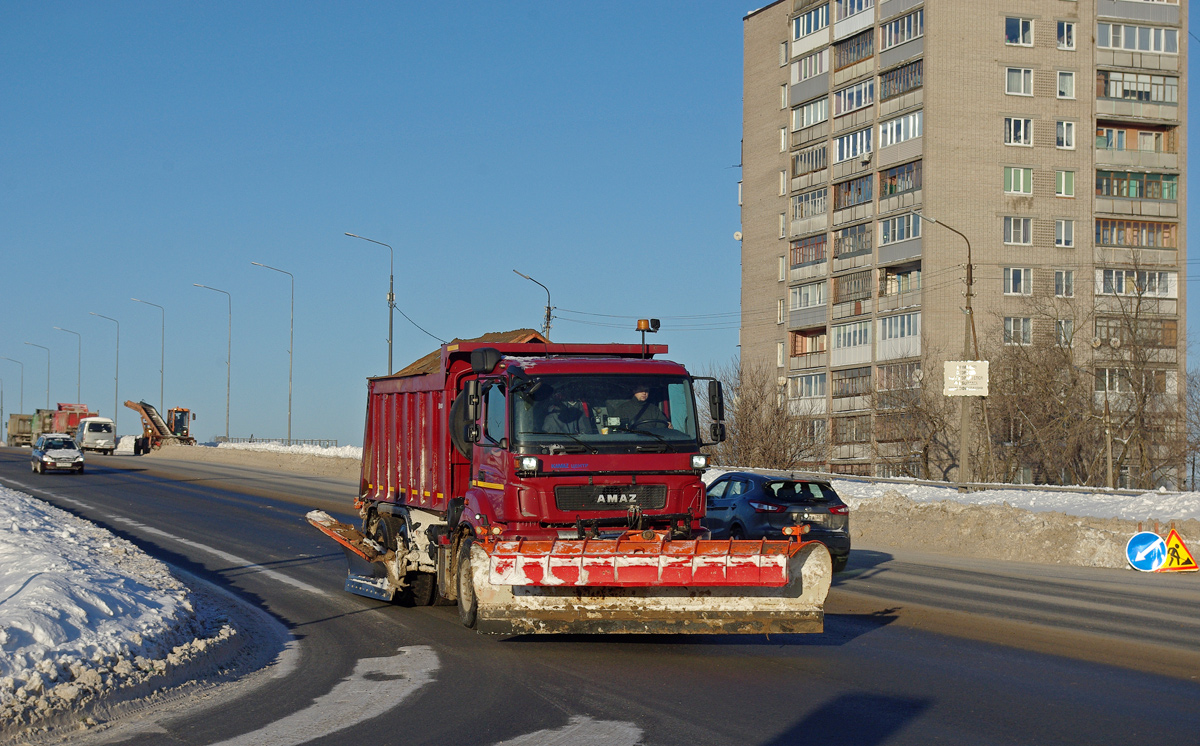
pixel 422 588
pixel 468 605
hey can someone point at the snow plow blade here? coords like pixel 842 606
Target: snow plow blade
pixel 366 574
pixel 653 586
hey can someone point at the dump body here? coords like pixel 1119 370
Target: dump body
pixel 64 419
pixel 556 488
pixel 20 430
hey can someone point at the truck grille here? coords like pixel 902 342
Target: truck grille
pixel 610 497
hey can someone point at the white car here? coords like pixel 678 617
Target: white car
pixel 58 452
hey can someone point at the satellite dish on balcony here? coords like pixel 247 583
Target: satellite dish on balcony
pixel 1115 342
pixel 1096 342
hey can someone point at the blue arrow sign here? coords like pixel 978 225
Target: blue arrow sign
pixel 1146 551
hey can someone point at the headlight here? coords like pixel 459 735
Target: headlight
pixel 47 459
pixel 528 465
pixel 699 461
pixel 79 458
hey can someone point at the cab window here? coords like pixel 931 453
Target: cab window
pixel 494 422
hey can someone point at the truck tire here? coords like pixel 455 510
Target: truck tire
pixel 468 605
pixel 422 589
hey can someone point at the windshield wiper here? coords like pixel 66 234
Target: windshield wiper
pixel 582 445
pixel 624 429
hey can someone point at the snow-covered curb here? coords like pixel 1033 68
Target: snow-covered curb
pixel 352 452
pixel 84 614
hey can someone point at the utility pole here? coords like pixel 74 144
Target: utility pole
pixel 1108 438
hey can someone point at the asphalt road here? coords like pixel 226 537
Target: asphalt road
pixel 917 649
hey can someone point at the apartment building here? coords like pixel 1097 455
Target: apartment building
pixel 1050 134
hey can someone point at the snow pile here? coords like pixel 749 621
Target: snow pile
pixel 125 445
pixel 84 614
pixel 351 452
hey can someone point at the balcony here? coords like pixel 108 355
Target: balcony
pixel 815 224
pixel 1120 304
pixel 903 201
pixel 894 349
pixel 850 309
pixel 852 25
pixel 899 300
pixel 853 213
pixel 807 407
pixel 850 261
pixel 1119 107
pixel 807 271
pixel 1148 159
pixel 850 356
pixel 851 403
pixel 803 318
pixel 809 360
pixel 1161 13
pixel 1147 208
pixel 900 152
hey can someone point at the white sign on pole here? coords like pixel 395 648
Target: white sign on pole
pixel 965 378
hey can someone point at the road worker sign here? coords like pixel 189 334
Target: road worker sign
pixel 965 378
pixel 1178 558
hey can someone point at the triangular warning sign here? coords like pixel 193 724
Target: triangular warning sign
pixel 1179 559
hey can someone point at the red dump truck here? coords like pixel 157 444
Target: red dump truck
pixel 549 487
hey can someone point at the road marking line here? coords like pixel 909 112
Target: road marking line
pixel 582 731
pixel 376 686
pixel 239 562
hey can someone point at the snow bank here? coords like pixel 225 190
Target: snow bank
pixel 351 452
pixel 84 613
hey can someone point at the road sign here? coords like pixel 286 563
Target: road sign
pixel 1179 559
pixel 965 378
pixel 1146 551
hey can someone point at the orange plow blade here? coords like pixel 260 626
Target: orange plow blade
pixel 639 584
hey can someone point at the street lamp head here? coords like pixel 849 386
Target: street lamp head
pixel 522 274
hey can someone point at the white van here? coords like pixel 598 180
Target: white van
pixel 96 434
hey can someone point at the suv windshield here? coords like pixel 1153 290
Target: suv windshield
pixel 604 413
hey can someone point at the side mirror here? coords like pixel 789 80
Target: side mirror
pixel 716 401
pixel 472 390
pixel 716 432
pixel 485 360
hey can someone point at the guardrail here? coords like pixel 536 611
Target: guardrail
pixel 285 442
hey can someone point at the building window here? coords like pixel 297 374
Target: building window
pixel 808 296
pixel 901 179
pixel 1018 230
pixel 854 97
pixel 1018 281
pixel 905 278
pixel 1137 38
pixel 782 268
pixel 1137 87
pixel 1064 332
pixel 852 287
pixel 847 8
pixel 1064 183
pixel 1064 283
pixel 903 128
pixel 810 66
pixel 899 228
pixel 1066 84
pixel 853 240
pixel 851 193
pixel 1018 81
pixel 808 251
pixel 855 49
pixel 1136 185
pixel 809 204
pixel 780 360
pixel 852 382
pixel 900 327
pixel 810 22
pixel 1066 34
pixel 1018 180
pixel 1135 234
pixel 810 113
pixel 1131 282
pixel 1064 135
pixel 905 28
pixel 783 140
pixel 783 54
pixel 811 386
pixel 1064 234
pixel 901 80
pixel 852 430
pixel 1018 31
pixel 1018 131
pixel 1160 333
pixel 899 376
pixel 780 314
pixel 783 96
pixel 810 160
pixel 783 183
pixel 856 334
pixel 1018 331
pixel 852 145
pixel 783 225
pixel 808 342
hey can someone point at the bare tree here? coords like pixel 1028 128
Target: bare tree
pixel 915 425
pixel 762 429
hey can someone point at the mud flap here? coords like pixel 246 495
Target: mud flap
pixel 366 574
pixel 795 607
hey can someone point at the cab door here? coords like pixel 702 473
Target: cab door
pixel 491 452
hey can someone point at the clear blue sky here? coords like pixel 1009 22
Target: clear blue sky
pixel 149 146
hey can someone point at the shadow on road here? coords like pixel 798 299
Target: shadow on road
pixel 860 719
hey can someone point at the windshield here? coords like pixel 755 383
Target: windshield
pixel 604 413
pixel 58 444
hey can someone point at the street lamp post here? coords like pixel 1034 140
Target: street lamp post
pixel 18 362
pixel 546 321
pixel 391 296
pixel 291 342
pixel 228 353
pixel 117 376
pixel 2 412
pixel 162 364
pixel 78 361
pixel 47 349
pixel 968 337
